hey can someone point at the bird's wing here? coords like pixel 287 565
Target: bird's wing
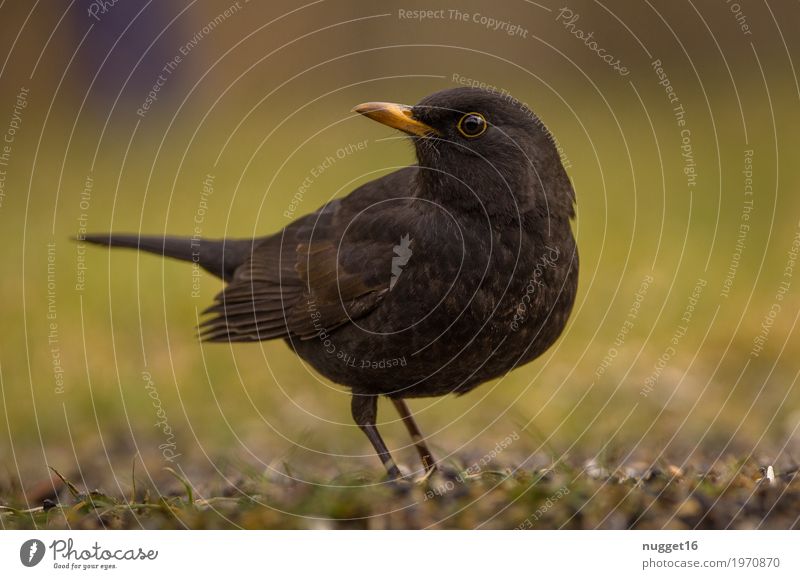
pixel 314 276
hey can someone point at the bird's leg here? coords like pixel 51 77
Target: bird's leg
pixel 365 412
pixel 419 441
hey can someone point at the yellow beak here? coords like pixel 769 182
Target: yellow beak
pixel 399 117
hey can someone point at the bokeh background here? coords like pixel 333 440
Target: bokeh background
pixel 682 348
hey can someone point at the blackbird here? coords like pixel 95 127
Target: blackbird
pixel 428 281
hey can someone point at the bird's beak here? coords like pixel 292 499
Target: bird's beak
pixel 399 117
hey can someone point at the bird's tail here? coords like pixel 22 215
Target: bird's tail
pixel 220 257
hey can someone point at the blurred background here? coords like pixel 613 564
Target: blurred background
pixel 678 125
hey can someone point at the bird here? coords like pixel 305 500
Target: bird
pixel 428 281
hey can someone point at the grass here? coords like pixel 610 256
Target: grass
pixel 264 442
pixel 735 495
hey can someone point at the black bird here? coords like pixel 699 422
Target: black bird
pixel 425 282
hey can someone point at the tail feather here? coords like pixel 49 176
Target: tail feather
pixel 220 257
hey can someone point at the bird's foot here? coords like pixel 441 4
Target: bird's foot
pixel 445 482
pixel 411 479
pixel 438 472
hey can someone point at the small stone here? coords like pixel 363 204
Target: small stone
pixel 594 470
pixel 675 471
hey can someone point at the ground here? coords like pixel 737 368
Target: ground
pixel 734 494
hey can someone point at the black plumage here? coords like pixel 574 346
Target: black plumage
pixel 428 281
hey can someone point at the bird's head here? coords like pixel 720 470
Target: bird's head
pixel 482 148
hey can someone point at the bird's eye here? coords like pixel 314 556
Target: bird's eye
pixel 472 125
